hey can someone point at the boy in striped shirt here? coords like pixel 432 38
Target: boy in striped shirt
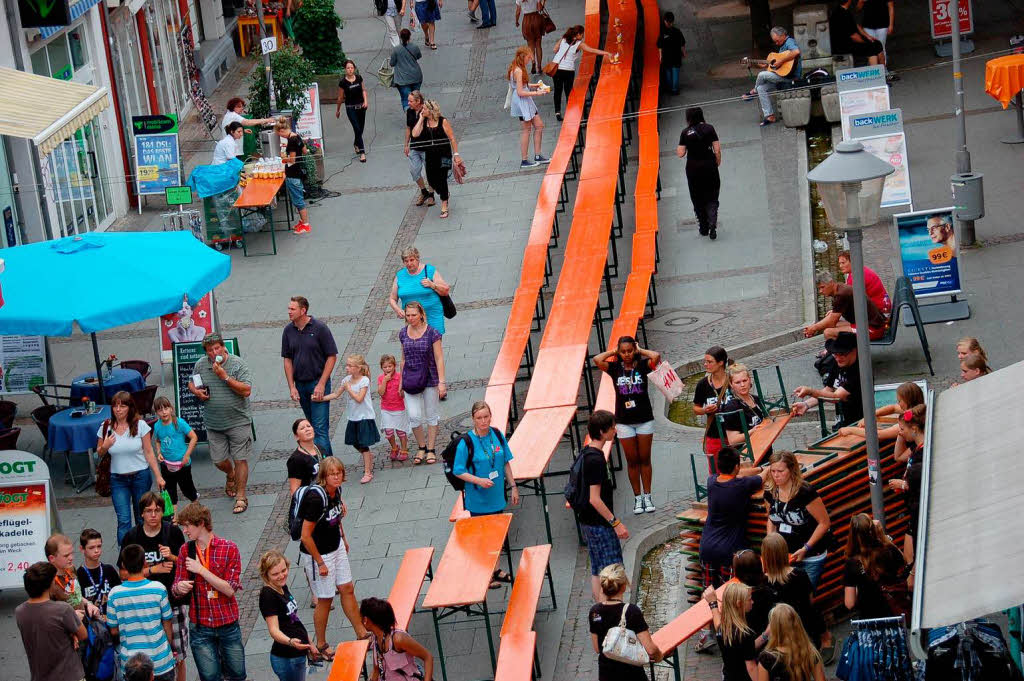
pixel 139 613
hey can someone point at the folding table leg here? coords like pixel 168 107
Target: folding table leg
pixel 547 516
pixel 508 555
pixel 490 640
pixel 440 650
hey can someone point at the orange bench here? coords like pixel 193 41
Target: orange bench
pixel 349 658
pixel 516 661
pixel 405 590
pixel 534 567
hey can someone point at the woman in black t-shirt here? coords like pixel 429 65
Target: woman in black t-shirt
pixel 792 586
pixel 743 408
pixel 352 93
pixel 291 640
pixel 607 614
pixel 628 365
pixel 436 138
pixel 875 574
pixel 294 160
pixel 797 513
pixel 910 449
pixel 711 393
pixel 789 655
pixel 699 144
pixel 737 642
pixel 304 462
pixel 746 565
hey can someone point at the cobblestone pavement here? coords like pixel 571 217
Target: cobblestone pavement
pixel 745 286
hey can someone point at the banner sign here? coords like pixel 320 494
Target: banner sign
pixel 927 251
pixel 187 325
pixel 187 405
pixel 25 511
pixel 159 124
pixel 22 363
pixel 861 91
pixel 942 23
pixel 860 78
pixel 157 163
pixel 309 124
pixel 882 135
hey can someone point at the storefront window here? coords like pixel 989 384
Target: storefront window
pixel 78 47
pixel 165 25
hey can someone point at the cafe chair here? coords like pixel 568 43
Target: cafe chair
pixel 8 412
pixel 144 400
pixel 54 393
pixel 9 438
pixel 140 365
pixel 41 417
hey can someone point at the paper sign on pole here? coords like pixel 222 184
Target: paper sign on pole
pixel 268 45
pixel 882 134
pixel 942 23
pixel 309 124
pixel 22 363
pixel 26 500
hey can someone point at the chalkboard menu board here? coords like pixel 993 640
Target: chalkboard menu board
pixel 188 406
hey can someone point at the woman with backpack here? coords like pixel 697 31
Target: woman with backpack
pixel 483 462
pixel 408 75
pixel 699 145
pixel 294 171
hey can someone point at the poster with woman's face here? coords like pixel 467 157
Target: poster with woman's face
pixel 928 252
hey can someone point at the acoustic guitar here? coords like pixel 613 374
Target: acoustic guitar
pixel 781 68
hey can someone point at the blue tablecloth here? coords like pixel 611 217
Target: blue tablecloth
pixel 68 434
pixel 120 379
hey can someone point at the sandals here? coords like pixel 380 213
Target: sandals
pixel 325 651
pixel 502 576
pixel 422 198
pixel 433 46
pixel 362 158
pixel 431 456
pixel 430 201
pixel 230 488
pixel 241 504
pixel 420 453
pixel 403 454
pixel 394 453
pixel 367 477
pixel 444 214
pixel 765 122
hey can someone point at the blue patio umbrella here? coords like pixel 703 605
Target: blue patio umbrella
pixel 99 281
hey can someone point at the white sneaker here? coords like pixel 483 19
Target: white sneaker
pixel 638 504
pixel 648 504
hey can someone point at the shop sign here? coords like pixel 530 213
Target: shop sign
pixel 25 512
pixel 881 133
pixel 159 124
pixel 178 196
pixel 942 24
pixel 40 13
pixel 309 124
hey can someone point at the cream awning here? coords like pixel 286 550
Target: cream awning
pixel 971 546
pixel 46 110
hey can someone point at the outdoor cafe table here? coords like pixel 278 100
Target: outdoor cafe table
pixel 257 197
pixel 463 576
pixel 67 433
pixel 1004 80
pixel 128 380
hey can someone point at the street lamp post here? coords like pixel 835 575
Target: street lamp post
pixel 850 184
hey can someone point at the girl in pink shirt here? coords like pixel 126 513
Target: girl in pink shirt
pixel 393 419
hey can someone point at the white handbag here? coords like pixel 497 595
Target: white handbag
pixel 508 98
pixel 666 380
pixel 622 645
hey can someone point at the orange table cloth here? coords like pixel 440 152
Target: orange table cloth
pixel 1004 78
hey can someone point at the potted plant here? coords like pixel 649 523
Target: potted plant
pixel 316 27
pixel 293 74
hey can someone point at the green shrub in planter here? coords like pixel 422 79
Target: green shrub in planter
pixel 293 74
pixel 316 31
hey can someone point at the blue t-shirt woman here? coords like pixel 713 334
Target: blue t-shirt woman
pixel 491 455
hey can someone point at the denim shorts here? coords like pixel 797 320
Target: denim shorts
pixel 603 546
pixel 295 192
pixel 814 566
pixel 416 164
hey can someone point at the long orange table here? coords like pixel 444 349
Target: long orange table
pixel 257 197
pixel 462 577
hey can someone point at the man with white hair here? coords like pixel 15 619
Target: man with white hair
pixel 768 81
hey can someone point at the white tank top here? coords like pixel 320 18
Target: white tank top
pixel 568 59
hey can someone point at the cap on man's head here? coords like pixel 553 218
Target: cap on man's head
pixel 843 343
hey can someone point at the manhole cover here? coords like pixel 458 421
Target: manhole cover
pixel 682 321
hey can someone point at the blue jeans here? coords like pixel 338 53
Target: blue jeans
pixel 814 566
pixel 295 192
pixel 488 13
pixel 218 652
pixel 318 413
pixel 126 491
pixel 289 668
pixel 671 74
pixel 403 93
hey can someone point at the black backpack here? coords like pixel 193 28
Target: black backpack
pixel 577 491
pixel 97 651
pixel 294 519
pixel 448 456
pixel 382 7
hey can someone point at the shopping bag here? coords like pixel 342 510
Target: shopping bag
pixel 667 380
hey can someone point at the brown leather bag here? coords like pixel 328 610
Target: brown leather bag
pixel 549 24
pixel 551 68
pixel 103 467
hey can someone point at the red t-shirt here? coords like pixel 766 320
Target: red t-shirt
pixel 875 289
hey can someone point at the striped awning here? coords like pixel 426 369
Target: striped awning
pixel 46 110
pixel 76 10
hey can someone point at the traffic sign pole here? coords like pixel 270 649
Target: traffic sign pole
pixel 266 57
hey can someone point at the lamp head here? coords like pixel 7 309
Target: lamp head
pixel 850 170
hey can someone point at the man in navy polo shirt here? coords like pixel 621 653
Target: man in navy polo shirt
pixel 309 353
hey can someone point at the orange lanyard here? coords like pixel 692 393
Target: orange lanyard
pixel 65 581
pixel 204 558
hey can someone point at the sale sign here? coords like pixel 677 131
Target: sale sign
pixel 942 25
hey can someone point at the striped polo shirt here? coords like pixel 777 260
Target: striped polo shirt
pixel 138 608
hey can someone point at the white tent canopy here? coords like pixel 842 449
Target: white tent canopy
pixel 970 552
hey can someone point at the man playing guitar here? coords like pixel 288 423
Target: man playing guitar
pixel 779 70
